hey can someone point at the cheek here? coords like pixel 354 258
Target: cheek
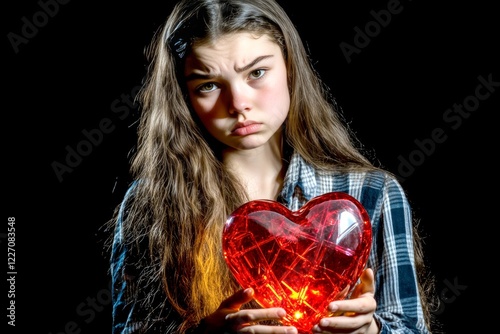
pixel 207 113
pixel 204 108
pixel 281 88
pixel 279 98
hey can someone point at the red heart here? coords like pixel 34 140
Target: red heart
pixel 299 260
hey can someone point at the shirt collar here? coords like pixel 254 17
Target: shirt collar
pixel 300 178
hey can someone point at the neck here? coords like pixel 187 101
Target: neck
pixel 261 170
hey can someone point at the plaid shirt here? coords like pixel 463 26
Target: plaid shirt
pixel 391 257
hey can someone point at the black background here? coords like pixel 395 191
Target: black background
pixel 76 69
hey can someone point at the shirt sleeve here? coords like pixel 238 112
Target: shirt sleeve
pixel 132 300
pixel 123 280
pixel 399 309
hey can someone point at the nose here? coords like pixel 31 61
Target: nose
pixel 238 99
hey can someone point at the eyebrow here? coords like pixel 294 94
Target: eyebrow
pixel 194 76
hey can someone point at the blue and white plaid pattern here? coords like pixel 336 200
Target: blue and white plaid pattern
pixel 398 306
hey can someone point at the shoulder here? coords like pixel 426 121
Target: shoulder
pixel 127 199
pixel 375 181
pixel 374 189
pixel 353 180
pixel 383 182
pixel 123 211
pixel 379 183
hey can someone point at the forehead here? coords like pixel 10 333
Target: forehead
pixel 232 50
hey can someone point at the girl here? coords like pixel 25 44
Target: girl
pixel 233 111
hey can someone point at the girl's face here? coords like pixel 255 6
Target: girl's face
pixel 238 88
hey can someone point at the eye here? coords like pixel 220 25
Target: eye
pixel 206 87
pixel 256 74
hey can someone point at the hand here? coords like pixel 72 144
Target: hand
pixel 356 313
pixel 228 318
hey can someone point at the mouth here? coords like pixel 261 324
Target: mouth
pixel 245 128
pixel 244 124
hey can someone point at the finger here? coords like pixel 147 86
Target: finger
pixel 256 315
pixel 368 282
pixel 361 299
pixel 261 329
pixel 342 324
pixel 366 285
pixel 238 299
pixel 252 317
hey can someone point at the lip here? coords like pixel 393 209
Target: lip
pixel 245 128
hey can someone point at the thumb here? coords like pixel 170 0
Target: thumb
pixel 367 284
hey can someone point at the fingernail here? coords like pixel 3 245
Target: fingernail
pixel 333 307
pixel 324 322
